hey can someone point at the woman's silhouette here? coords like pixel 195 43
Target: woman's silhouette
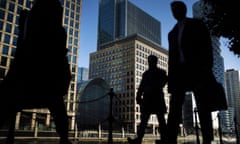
pixel 40 74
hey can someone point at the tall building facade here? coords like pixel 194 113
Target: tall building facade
pixel 82 74
pixel 232 78
pixel 126 37
pixel 218 63
pixel 9 19
pixel 122 63
pixel 120 18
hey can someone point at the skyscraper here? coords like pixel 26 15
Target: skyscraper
pixel 126 37
pixel 120 18
pixel 9 19
pixel 232 79
pixel 82 74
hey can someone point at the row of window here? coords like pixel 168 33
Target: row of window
pixel 117 50
pixel 12 4
pixel 148 51
pixel 72 4
pixel 6 38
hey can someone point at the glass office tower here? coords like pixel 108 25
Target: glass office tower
pixel 9 17
pixel 120 18
pixel 126 36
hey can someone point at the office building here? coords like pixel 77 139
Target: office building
pixel 120 18
pixel 9 19
pixel 233 98
pixel 122 63
pixel 82 74
pixel 126 37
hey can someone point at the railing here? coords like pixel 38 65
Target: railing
pixel 109 134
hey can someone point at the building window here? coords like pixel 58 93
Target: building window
pixel 2 72
pixel 19 9
pixel 2 4
pixel 1 25
pixel 11 7
pixel 9 28
pixel 28 4
pixel 10 17
pixel 20 2
pixel 7 39
pixel 13 51
pixel 2 13
pixel 5 50
pixel 4 61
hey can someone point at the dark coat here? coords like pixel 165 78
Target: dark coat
pixel 198 53
pixel 40 72
pixel 151 91
pixel 46 48
pixel 195 73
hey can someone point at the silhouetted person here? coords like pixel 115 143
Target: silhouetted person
pixel 40 74
pixel 190 66
pixel 150 97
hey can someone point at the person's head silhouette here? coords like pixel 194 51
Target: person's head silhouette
pixel 179 10
pixel 152 61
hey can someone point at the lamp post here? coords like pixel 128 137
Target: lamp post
pixel 110 117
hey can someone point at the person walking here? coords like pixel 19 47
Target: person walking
pixel 40 75
pixel 150 97
pixel 189 70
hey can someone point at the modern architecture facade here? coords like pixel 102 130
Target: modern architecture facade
pixel 9 19
pixel 82 74
pixel 120 18
pixel 121 63
pixel 126 37
pixel 93 104
pixel 232 78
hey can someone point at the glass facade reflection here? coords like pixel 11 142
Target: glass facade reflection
pixel 93 104
pixel 120 18
pixel 106 21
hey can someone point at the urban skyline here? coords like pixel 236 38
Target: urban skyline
pixel 74 64
pixel 158 9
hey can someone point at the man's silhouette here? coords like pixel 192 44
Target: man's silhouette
pixel 190 68
pixel 150 97
pixel 40 74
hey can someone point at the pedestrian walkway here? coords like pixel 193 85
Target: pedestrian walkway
pixel 96 141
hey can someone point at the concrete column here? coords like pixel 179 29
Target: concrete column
pixel 17 122
pixel 99 131
pixel 76 131
pixel 123 132
pixel 72 122
pixel 36 129
pixel 34 117
pixel 48 119
pixel 154 130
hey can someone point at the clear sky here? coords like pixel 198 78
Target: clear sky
pixel 159 9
